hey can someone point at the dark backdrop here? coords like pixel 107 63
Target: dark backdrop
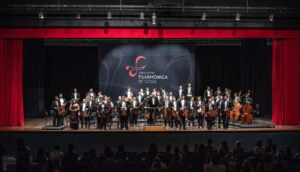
pixel 49 70
pixel 237 67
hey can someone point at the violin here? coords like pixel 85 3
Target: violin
pixel 123 112
pixel 174 113
pixel 185 112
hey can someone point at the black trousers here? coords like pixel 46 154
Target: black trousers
pixel 150 121
pixel 103 122
pixel 225 121
pixel 210 121
pixel 200 119
pixel 84 121
pixel 58 119
pixel 133 119
pixel 124 122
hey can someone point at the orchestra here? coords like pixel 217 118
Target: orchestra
pixel 214 109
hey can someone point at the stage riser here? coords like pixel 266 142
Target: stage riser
pixel 140 141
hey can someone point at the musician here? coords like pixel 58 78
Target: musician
pixel 91 106
pixel 159 98
pixel 171 97
pixel 248 99
pixel 99 97
pixel 147 91
pixel 103 112
pixel 189 91
pixel 62 101
pixel 199 104
pixel 140 97
pixel 219 101
pixel 84 117
pixel 134 111
pixel 180 91
pixel 225 106
pixel 218 91
pixel 236 98
pixel 128 93
pixel 74 109
pixel 207 93
pixel 209 107
pixel 90 94
pixel 191 111
pixel 123 106
pixel 166 104
pixel 142 92
pixel 75 95
pixel 54 109
pixel 153 104
pixel 182 103
pixel 164 93
pixel 174 116
pixel 62 105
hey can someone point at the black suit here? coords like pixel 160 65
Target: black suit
pixel 57 120
pixel 181 106
pixel 84 120
pixel 102 116
pixel 198 108
pixel 166 104
pixel 210 120
pixel 189 94
pixel 180 93
pixel 133 112
pixel 124 119
pixel 207 94
pixel 153 104
pixel 75 96
pixel 225 106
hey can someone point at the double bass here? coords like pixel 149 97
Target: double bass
pixel 62 110
pixel 236 111
pixel 185 112
pixel 247 116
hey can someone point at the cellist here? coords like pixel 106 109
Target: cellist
pixel 225 108
pixel 200 111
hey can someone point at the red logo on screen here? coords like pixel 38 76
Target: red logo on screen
pixel 134 69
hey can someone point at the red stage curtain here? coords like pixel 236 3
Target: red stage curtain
pixel 285 82
pixel 11 87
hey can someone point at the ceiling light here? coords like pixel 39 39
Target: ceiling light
pixel 142 15
pixel 271 17
pixel 203 18
pixel 108 15
pixel 41 15
pixel 154 18
pixel 237 17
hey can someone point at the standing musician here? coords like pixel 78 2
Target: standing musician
pixel 84 116
pixel 248 99
pixel 74 110
pixel 191 111
pixel 210 107
pixel 171 97
pixel 166 104
pixel 55 109
pixel 218 91
pixel 134 111
pixel 207 93
pixel 103 112
pixel 90 94
pixel 62 107
pixel 200 111
pixel 75 95
pixel 123 106
pixel 182 110
pixel 91 106
pixel 225 108
pixel 99 97
pixel 219 101
pixel 174 116
pixel 180 91
pixel 128 93
pixel 118 110
pixel 189 91
pixel 147 91
pixel 153 104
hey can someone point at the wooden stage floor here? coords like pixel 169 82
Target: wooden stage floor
pixel 35 125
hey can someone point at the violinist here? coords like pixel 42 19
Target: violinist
pixel 166 111
pixel 207 93
pixel 182 110
pixel 128 93
pixel 134 111
pixel 225 108
pixel 210 107
pixel 84 117
pixel 90 94
pixel 189 91
pixel 147 91
pixel 191 111
pixel 123 106
pixel 103 110
pixel 91 106
pixel 153 105
pixel 200 111
pixel 74 109
pixel 174 117
pixel 99 97
pixel 180 91
pixel 62 108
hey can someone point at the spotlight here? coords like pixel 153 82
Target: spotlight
pixel 108 15
pixel 203 18
pixel 142 15
pixel 237 17
pixel 154 18
pixel 78 16
pixel 271 17
pixel 41 15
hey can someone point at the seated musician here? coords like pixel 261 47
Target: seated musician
pixel 54 111
pixel 74 109
pixel 84 116
pixel 75 95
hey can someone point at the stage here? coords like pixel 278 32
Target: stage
pixel 259 125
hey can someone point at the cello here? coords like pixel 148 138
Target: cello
pixel 236 111
pixel 247 116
